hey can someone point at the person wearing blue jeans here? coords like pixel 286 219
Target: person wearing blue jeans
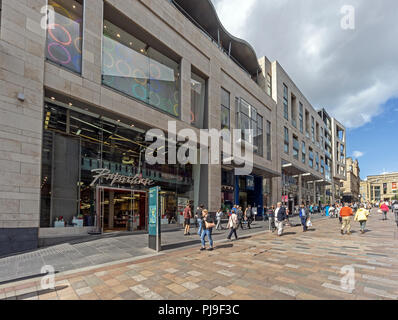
pixel 206 231
pixel 303 217
pixel 198 215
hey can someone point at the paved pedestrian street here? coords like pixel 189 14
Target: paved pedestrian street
pixel 263 266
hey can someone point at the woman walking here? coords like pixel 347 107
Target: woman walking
pixel 384 208
pixel 218 218
pixel 233 225
pixel 362 217
pixel 207 226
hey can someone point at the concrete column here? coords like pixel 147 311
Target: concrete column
pixel 314 191
pixel 22 47
pixel 213 117
pixel 300 190
pixel 92 40
pixel 111 209
pixel 185 75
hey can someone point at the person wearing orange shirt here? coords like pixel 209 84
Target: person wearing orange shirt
pixel 346 213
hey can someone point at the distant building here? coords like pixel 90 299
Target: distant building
pixel 351 187
pixel 383 187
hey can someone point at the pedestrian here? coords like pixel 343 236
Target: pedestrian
pixel 395 210
pixel 265 210
pixel 332 211
pixel 207 229
pixel 303 214
pixel 249 215
pixel 219 215
pixel 384 208
pixel 337 212
pixel 240 217
pixel 233 226
pixel 362 217
pixel 271 217
pixel 280 217
pixel 187 220
pixel 199 216
pixel 346 213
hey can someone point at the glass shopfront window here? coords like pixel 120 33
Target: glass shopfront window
pixel 225 110
pixel 139 71
pixel 78 145
pixel 198 100
pixel 64 36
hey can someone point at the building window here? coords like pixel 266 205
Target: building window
pixel 307 124
pixel 293 111
pixel 259 136
pixel 64 37
pixel 198 100
pixel 313 129
pixel 225 110
pixel 296 148
pixel 317 162
pixel 301 117
pixel 286 142
pixel 285 102
pixel 132 67
pixel 269 84
pixel 269 140
pixel 322 166
pixel 247 118
pixel 311 158
pixel 303 152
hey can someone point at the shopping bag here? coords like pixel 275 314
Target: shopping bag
pixel 309 223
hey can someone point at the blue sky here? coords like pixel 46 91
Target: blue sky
pixel 378 141
pixel 352 73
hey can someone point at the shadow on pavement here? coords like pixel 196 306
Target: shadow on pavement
pixel 26 278
pixel 38 293
pixel 224 246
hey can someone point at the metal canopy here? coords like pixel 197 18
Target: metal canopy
pixel 257 169
pixel 292 170
pixel 204 14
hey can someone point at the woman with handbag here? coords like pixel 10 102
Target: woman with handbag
pixel 207 226
pixel 233 225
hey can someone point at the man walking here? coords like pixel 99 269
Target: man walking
pixel 249 215
pixel 384 208
pixel 346 213
pixel 362 217
pixel 240 217
pixel 303 214
pixel 187 220
pixel 280 217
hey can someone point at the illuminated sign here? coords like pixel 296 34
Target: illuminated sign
pixel 116 178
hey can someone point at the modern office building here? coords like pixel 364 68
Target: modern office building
pixel 78 96
pixel 383 187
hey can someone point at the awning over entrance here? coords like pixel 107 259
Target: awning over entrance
pixel 323 183
pixel 258 170
pixel 291 170
pixel 309 177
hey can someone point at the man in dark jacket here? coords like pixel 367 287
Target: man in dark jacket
pixel 280 217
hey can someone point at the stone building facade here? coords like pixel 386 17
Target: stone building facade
pixel 79 94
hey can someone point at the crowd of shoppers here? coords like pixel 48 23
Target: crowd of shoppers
pixel 278 218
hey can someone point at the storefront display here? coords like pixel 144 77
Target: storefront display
pixel 93 169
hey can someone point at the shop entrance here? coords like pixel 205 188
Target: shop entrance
pixel 121 209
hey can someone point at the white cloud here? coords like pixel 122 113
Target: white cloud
pixel 358 154
pixel 351 73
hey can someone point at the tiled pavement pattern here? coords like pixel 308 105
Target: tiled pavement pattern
pixel 296 266
pixel 70 256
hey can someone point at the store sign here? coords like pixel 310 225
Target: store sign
pixel 154 237
pixel 394 186
pixel 250 183
pixel 116 178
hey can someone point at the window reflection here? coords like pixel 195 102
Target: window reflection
pixel 137 70
pixel 64 36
